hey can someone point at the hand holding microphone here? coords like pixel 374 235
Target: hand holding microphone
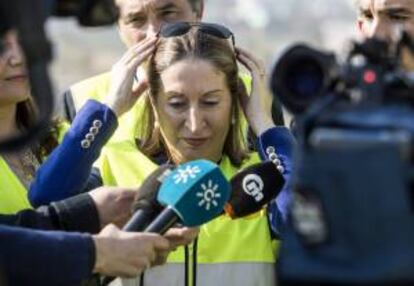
pixel 193 193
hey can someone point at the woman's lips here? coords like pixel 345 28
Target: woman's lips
pixel 17 78
pixel 195 142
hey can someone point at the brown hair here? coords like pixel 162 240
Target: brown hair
pixel 26 116
pixel 196 45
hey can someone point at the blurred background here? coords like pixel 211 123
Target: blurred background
pixel 265 27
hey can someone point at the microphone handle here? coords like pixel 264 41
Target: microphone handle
pixel 166 219
pixel 139 221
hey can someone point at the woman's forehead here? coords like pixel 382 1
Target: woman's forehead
pixel 192 74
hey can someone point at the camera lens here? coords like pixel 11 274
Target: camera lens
pixel 305 78
pixel 300 76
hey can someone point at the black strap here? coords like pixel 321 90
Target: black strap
pixel 186 254
pixel 195 262
pixel 141 279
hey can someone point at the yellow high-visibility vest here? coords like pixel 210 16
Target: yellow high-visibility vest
pixel 234 245
pixel 13 194
pixel 229 252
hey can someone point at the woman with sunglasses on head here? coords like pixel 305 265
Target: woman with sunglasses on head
pixel 192 111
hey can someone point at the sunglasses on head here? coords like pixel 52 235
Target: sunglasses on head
pixel 181 28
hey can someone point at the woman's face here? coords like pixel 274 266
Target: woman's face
pixel 194 110
pixel 14 83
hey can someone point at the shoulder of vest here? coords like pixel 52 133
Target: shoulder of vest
pixel 92 88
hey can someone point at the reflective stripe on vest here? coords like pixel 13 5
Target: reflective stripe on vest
pixel 222 241
pixel 225 274
pixel 13 193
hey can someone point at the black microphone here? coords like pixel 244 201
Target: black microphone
pixel 252 188
pixel 146 206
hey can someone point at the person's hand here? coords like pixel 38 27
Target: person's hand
pixel 258 106
pixel 177 237
pixel 113 204
pixel 126 254
pixel 180 236
pixel 123 92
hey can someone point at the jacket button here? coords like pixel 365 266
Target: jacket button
pixel 273 157
pixel 270 150
pixel 90 137
pixel 85 144
pixel 97 123
pixel 94 130
pixel 277 162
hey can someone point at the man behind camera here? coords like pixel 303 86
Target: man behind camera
pixel 385 19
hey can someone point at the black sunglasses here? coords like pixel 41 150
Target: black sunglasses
pixel 182 28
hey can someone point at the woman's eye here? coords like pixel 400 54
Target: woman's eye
pixel 210 102
pixel 176 104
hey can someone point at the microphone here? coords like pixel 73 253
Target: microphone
pixel 145 206
pixel 194 193
pixel 252 188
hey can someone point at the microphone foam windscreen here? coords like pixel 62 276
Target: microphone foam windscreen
pixel 146 197
pixel 196 191
pixel 252 188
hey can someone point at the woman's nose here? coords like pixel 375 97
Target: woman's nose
pixel 195 120
pixel 15 55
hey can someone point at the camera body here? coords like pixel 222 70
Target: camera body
pixel 352 214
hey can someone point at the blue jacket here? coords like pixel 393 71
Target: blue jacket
pixel 67 171
pixel 278 142
pixel 75 156
pixel 30 257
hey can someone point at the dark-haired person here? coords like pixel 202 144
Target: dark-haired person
pixel 386 19
pixel 17 113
